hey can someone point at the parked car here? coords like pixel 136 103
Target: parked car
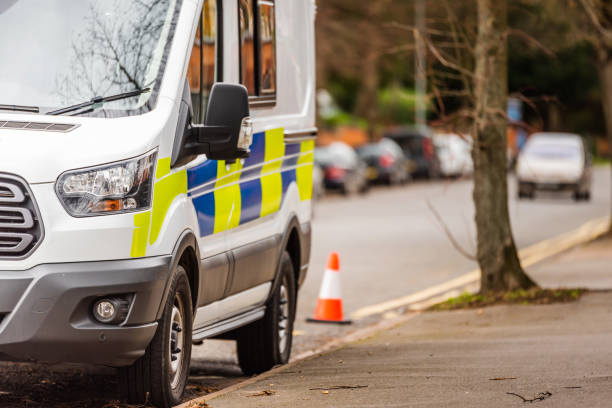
pixel 454 154
pixel 417 144
pixel 171 209
pixel 386 162
pixel 343 170
pixel 554 161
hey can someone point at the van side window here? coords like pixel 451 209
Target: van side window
pixel 210 40
pixel 202 71
pixel 247 45
pixel 258 48
pixel 194 73
pixel 267 45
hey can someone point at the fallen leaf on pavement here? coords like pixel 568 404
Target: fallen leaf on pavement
pixel 264 393
pixel 199 405
pixel 202 388
pixel 541 396
pixel 339 387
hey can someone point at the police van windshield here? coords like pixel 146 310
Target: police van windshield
pixel 57 53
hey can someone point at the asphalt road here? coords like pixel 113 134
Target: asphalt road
pixel 390 245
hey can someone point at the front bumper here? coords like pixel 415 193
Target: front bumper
pixel 45 312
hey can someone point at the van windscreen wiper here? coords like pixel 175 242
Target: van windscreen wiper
pixel 19 108
pixel 98 100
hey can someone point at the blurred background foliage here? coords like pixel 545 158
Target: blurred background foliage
pixel 366 63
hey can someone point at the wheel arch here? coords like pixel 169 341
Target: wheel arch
pixel 292 242
pixel 187 254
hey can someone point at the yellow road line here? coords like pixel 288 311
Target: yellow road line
pixel 529 256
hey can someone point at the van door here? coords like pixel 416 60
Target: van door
pixel 208 179
pixel 255 242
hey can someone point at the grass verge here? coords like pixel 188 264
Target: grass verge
pixel 534 296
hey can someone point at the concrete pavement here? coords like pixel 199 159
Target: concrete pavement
pixel 458 359
pixel 560 353
pixel 588 266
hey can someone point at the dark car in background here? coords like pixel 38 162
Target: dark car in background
pixel 417 144
pixel 343 170
pixel 386 162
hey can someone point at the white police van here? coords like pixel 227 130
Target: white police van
pixel 155 182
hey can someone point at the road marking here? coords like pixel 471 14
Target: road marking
pixel 529 256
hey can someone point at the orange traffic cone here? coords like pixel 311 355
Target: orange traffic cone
pixel 329 304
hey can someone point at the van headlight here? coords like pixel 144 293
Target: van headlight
pixel 114 188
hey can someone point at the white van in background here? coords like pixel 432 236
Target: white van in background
pixel 557 162
pixel 155 182
pixel 454 153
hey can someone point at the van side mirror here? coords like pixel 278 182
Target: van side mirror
pixel 228 130
pixel 227 133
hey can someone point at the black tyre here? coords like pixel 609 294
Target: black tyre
pixel 160 376
pixel 267 342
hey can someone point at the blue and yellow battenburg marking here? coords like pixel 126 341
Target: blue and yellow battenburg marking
pixel 225 196
pixel 228 195
pixel 148 225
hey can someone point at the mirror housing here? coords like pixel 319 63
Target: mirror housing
pixel 227 133
pixel 228 130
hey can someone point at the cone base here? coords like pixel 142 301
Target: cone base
pixel 313 320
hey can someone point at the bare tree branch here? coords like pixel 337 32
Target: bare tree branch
pixel 449 234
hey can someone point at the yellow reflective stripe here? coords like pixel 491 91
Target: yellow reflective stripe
pixel 164 193
pixel 227 199
pixel 271 179
pixel 142 222
pixel 304 170
pixel 163 168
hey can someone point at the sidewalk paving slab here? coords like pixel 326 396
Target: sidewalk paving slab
pixel 587 266
pixel 469 358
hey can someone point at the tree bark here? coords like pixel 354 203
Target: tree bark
pixel 497 254
pixel 604 65
pixel 367 99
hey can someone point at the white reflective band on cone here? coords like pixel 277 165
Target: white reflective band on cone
pixel 330 289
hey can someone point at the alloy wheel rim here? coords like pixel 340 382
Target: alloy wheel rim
pixel 175 345
pixel 283 318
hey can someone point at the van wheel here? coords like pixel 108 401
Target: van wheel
pixel 267 342
pixel 160 376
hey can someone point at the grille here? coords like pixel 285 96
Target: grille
pixel 46 127
pixel 20 226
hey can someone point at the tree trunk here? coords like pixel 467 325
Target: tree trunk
pixel 497 255
pixel 605 78
pixel 367 100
